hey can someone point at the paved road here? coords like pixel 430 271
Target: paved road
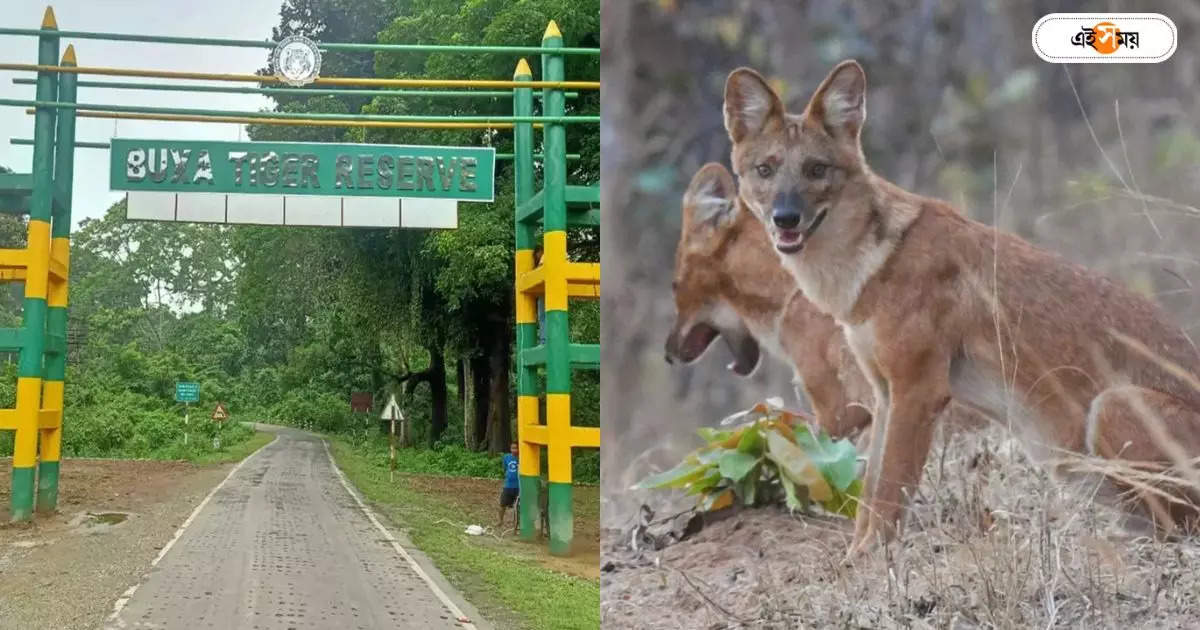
pixel 282 544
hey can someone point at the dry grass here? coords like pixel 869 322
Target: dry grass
pixel 991 541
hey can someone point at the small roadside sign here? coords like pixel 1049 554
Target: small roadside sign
pixel 220 414
pixel 392 413
pixel 187 391
pixel 360 402
pixel 392 410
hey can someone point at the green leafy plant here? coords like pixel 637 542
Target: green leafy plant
pixel 770 455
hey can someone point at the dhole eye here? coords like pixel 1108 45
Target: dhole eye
pixel 817 171
pixel 764 170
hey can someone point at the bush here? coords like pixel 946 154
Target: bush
pixel 114 430
pixel 585 465
pixel 316 411
pixel 96 431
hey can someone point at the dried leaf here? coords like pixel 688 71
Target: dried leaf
pixel 714 502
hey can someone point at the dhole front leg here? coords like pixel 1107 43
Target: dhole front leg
pixel 899 446
pixel 832 410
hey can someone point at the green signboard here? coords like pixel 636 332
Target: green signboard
pixel 187 392
pixel 296 168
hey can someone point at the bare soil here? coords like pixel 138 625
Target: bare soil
pixel 990 542
pixel 64 571
pixel 478 502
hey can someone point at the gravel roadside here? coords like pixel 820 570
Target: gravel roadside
pixel 64 572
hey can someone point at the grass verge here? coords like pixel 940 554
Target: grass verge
pixel 234 452
pixel 501 578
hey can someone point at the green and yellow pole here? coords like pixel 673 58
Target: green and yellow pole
pixel 530 454
pixel 50 446
pixel 558 360
pixel 37 261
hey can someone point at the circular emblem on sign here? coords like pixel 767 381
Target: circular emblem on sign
pixel 296 60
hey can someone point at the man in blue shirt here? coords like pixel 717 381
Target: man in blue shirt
pixel 508 494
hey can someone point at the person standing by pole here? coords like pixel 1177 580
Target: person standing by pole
pixel 511 489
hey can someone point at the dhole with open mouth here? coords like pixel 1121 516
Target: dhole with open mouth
pixel 937 306
pixel 728 283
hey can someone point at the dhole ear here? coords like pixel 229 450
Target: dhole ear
pixel 710 197
pixel 840 104
pixel 749 103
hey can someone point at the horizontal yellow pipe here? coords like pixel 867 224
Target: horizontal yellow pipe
pixel 584 291
pixel 535 434
pixel 583 272
pixel 583 279
pixel 295 122
pixel 13 258
pixel 532 281
pixel 8 419
pixel 578 437
pixel 46 418
pixel 49 418
pixel 18 260
pixel 585 437
pixel 256 78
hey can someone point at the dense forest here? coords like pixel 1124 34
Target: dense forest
pixel 284 323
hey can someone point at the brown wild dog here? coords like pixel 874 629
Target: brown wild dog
pixel 936 305
pixel 729 283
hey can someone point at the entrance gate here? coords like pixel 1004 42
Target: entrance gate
pixel 44 194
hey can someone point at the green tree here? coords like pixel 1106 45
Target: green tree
pixel 413 302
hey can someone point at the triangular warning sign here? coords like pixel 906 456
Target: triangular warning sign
pixel 220 413
pixel 392 410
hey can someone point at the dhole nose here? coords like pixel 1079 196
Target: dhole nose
pixel 787 210
pixel 785 219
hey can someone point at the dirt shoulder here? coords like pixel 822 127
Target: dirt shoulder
pixel 730 575
pixel 990 541
pixel 65 571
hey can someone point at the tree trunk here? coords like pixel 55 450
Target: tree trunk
pixel 499 423
pixel 437 393
pixel 480 387
pixel 466 387
pixel 376 391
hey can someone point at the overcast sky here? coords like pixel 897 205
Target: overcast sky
pixel 232 19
